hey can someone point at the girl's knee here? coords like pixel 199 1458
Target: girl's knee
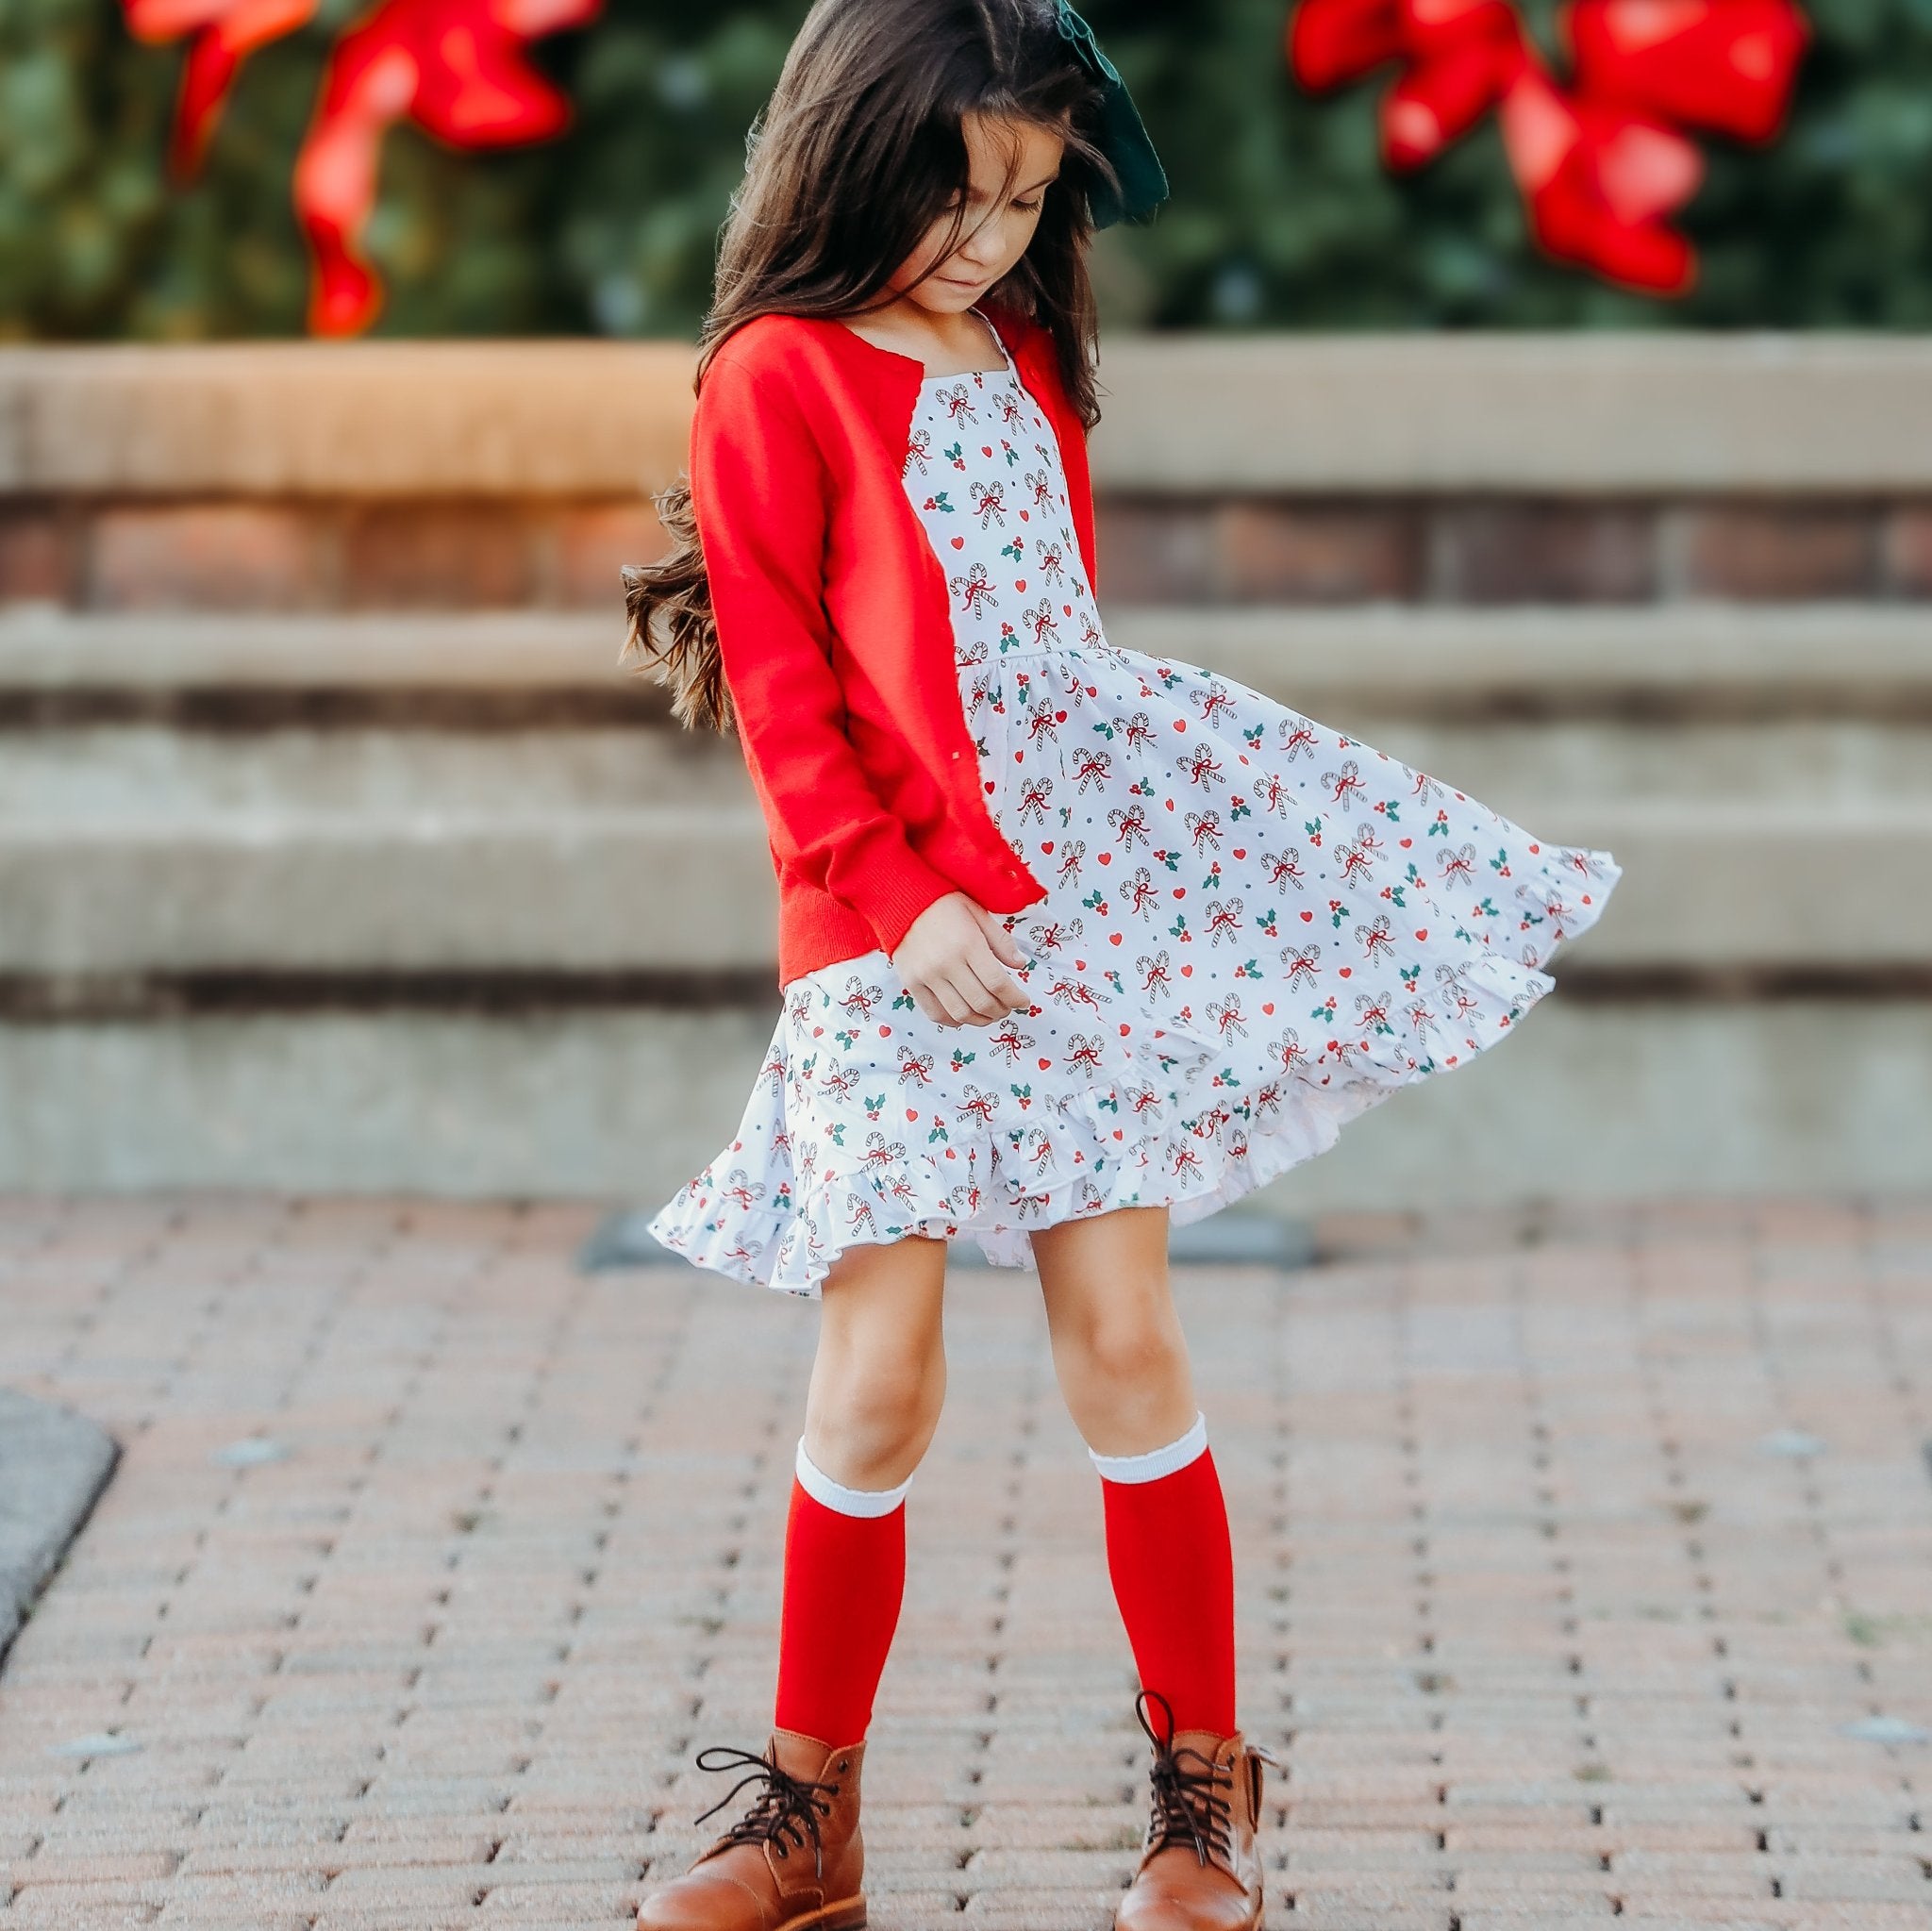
pixel 1127 1348
pixel 876 1408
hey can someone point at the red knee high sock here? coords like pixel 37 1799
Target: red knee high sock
pixel 844 1577
pixel 1172 1561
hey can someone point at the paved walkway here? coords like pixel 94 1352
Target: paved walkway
pixel 1580 1578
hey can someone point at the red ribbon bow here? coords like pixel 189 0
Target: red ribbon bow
pixel 457 68
pixel 1601 164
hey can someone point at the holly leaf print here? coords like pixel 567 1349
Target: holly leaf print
pixel 1252 738
pixel 1250 971
pixel 1389 808
pixel 961 1058
pixel 1266 921
pixel 1016 549
pixel 939 500
pixel 1171 859
pixel 905 1001
pixel 1024 1094
pixel 1237 807
pixel 1440 827
pixel 939 1130
pixel 956 456
pixel 1500 863
pixel 1180 929
pixel 874 1105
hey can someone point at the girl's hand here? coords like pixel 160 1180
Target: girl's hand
pixel 953 958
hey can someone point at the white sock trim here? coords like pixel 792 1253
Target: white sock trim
pixel 1156 1463
pixel 822 1488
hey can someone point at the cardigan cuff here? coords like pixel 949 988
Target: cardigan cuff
pixel 891 890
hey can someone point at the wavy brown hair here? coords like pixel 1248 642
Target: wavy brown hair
pixel 858 152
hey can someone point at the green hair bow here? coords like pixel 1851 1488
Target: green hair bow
pixel 1123 138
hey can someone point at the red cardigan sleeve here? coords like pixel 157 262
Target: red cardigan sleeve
pixel 759 487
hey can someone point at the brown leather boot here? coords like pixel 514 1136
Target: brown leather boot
pixel 793 1862
pixel 1199 1865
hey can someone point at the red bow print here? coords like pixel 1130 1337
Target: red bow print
pixel 457 68
pixel 1601 164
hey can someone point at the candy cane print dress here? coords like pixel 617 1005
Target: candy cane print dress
pixel 1255 926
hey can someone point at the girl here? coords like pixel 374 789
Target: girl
pixel 1074 942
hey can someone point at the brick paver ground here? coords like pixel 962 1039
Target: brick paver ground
pixel 1568 1570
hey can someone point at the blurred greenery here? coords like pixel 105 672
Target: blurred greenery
pixel 1282 216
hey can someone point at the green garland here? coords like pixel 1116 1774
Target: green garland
pixel 1291 222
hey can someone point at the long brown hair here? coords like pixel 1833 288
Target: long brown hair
pixel 857 154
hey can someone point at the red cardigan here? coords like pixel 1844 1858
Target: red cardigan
pixel 834 628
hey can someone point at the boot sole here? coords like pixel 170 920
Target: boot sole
pixel 848 1914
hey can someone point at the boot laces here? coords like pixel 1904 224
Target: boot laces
pixel 780 1814
pixel 1186 1807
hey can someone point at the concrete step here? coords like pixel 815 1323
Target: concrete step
pixel 1747 660
pixel 1764 779
pixel 1597 1099
pixel 1756 883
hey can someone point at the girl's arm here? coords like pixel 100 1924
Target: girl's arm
pixel 763 539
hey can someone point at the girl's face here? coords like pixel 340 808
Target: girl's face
pixel 999 221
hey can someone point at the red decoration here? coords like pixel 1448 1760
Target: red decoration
pixel 1601 164
pixel 457 68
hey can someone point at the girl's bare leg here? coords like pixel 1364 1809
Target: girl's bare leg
pixel 1122 1365
pixel 879 1379
pixel 878 1385
pixel 1118 1348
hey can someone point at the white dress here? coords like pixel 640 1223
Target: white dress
pixel 1256 927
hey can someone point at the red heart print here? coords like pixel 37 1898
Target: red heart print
pixel 1269 1009
pixel 1068 608
pixel 1024 518
pixel 1047 846
pixel 1406 842
pixel 1079 965
pixel 1347 972
pixel 1045 1064
pixel 912 1112
pixel 885 1032
pixel 988 784
pixel 1187 971
pixel 1019 583
pixel 1107 858
pixel 1308 918
pixel 1180 723
pixel 817 1032
pixel 959 543
pixel 1126 1029
pixel 1059 717
pixel 1240 852
pixel 1422 932
pixel 1117 1130
pixel 986 449
pixel 1115 936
